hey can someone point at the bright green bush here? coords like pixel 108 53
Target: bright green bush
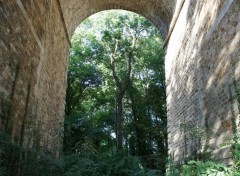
pixel 200 168
pixel 236 155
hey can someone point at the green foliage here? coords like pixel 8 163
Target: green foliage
pixel 70 165
pixel 236 140
pixel 117 57
pixel 172 168
pixel 31 163
pixel 236 154
pixel 106 165
pixel 200 168
pixel 196 133
pixel 193 130
pixel 205 168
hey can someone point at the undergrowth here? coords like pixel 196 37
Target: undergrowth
pixel 88 164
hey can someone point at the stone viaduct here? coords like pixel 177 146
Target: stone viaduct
pixel 202 44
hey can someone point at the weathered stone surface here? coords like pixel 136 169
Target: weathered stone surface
pixel 200 70
pixel 158 11
pixel 202 59
pixel 33 61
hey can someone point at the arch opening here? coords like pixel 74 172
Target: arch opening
pixel 123 61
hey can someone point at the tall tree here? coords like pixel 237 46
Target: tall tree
pixel 117 69
pixel 121 39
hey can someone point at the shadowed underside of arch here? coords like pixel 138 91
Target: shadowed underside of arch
pixel 160 12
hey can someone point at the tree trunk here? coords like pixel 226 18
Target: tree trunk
pixel 119 122
pixel 135 120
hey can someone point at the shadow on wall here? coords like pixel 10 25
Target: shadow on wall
pixel 210 66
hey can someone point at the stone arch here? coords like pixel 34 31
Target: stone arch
pixel 160 12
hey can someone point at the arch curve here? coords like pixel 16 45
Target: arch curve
pixel 160 12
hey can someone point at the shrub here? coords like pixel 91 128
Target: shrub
pixel 205 168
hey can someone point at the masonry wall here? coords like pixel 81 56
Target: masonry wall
pixel 202 62
pixel 33 64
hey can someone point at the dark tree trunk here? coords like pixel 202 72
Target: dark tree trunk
pixel 119 122
pixel 139 144
pixel 122 86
